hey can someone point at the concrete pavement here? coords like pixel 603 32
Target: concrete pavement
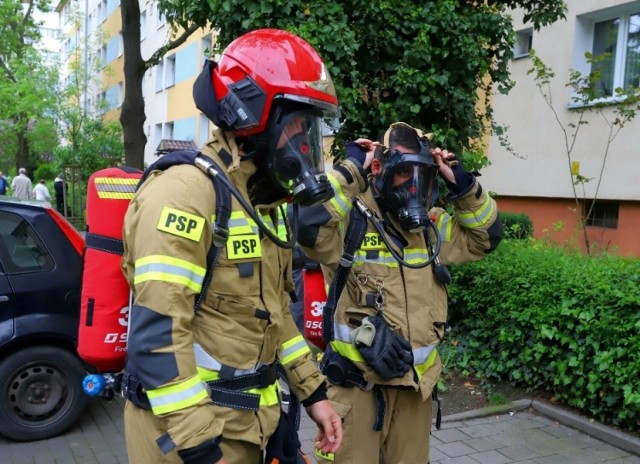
pixel 524 432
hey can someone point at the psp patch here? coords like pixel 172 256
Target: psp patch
pixel 181 223
pixel 373 241
pixel 244 246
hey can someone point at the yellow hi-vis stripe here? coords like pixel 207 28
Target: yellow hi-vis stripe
pixel 293 349
pixel 424 367
pixel 169 269
pixel 113 188
pixel 480 217
pixel 347 350
pixel 339 201
pixel 331 457
pixel 177 396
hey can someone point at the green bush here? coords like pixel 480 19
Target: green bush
pixel 516 225
pixel 543 318
pixel 46 172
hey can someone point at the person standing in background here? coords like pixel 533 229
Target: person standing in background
pixel 61 188
pixel 41 192
pixel 4 184
pixel 21 185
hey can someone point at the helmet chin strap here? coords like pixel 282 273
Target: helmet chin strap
pixel 209 167
pixel 434 248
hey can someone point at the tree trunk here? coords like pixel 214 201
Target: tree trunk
pixel 22 155
pixel 132 116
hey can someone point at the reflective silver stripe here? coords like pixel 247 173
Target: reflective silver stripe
pixel 445 228
pixel 420 355
pixel 342 332
pixel 239 226
pixel 293 348
pixel 479 217
pixel 415 255
pixel 169 269
pixel 205 360
pixel 171 398
pixel 384 258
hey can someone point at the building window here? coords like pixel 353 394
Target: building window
pixel 524 41
pixel 170 70
pixel 618 40
pixel 206 48
pixel 603 214
pixel 168 131
pixel 613 37
pixel 159 76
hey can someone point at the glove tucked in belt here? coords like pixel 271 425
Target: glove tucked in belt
pixel 384 350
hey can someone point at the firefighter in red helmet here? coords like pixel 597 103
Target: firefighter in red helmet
pixel 203 385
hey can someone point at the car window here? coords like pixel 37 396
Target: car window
pixel 20 248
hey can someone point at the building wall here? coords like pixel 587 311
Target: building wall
pixel 540 174
pixel 556 220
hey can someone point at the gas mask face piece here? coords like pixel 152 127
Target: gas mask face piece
pixel 408 188
pixel 295 161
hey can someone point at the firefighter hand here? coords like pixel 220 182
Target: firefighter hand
pixel 329 424
pixel 446 161
pixel 457 179
pixel 362 150
pixel 370 148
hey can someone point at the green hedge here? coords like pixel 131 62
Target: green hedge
pixel 516 225
pixel 543 318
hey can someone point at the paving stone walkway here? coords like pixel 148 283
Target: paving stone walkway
pixel 523 436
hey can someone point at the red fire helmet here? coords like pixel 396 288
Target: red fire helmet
pixel 266 65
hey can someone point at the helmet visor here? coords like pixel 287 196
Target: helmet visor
pixel 299 148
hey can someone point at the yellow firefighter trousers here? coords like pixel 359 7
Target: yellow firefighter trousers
pixel 404 438
pixel 142 429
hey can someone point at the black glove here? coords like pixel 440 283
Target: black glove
pixel 464 179
pixel 389 354
pixel 355 150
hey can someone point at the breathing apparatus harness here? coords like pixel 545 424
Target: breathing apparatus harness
pixel 226 391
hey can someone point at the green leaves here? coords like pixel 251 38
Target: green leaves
pixel 544 318
pixel 419 62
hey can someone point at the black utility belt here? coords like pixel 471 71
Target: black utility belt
pixel 224 392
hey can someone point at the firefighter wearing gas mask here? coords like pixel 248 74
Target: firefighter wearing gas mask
pixel 382 360
pixel 202 384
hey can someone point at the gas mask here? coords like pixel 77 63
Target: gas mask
pixel 408 187
pixel 294 158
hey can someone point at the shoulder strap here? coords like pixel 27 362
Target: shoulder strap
pixel 223 209
pixel 352 241
pixel 220 231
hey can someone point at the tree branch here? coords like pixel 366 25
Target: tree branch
pixel 162 51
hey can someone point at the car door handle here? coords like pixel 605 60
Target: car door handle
pixel 3 298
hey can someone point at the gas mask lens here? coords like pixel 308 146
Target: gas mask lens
pixel 298 161
pixel 408 191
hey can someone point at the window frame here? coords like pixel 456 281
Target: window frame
pixel 584 38
pixel 605 214
pixel 523 43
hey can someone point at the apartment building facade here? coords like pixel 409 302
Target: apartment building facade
pixel 167 87
pixel 539 178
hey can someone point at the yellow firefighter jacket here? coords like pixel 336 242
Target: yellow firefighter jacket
pixel 244 322
pixel 414 304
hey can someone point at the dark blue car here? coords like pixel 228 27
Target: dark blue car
pixel 40 278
